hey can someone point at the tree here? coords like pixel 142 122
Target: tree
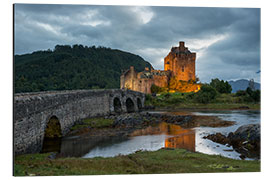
pixel 241 93
pixel 255 95
pixel 206 94
pixel 73 67
pixel 221 86
pixel 249 95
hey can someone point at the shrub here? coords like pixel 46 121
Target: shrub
pixel 148 97
pixel 156 89
pixel 240 93
pixel 175 100
pixel 149 100
pixel 167 95
pixel 256 95
pixel 206 94
pixel 190 95
pixel 249 95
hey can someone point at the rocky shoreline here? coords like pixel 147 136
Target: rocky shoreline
pixel 245 140
pixel 124 124
pixel 185 120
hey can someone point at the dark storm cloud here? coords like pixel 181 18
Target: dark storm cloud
pixel 222 37
pixel 238 54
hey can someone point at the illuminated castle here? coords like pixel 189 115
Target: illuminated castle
pixel 179 65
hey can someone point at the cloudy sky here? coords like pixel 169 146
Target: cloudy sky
pixel 226 40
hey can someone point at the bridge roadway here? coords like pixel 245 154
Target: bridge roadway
pixel 33 112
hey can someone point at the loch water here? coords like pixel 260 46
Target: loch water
pixel 162 135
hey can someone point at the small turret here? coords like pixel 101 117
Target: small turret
pixel 181 44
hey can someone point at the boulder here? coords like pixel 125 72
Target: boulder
pixel 245 140
pixel 218 137
pixel 246 136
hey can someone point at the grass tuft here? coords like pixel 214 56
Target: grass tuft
pixel 94 123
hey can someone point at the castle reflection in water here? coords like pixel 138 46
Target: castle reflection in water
pixel 181 138
pixel 174 137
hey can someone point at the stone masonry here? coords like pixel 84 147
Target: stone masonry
pixel 178 64
pixel 32 111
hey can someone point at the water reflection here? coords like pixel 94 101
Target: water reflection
pixel 161 135
pixel 151 138
pixel 51 145
pixel 78 146
pixel 176 136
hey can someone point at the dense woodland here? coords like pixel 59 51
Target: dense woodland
pixel 73 67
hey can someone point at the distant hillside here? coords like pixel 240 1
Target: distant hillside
pixel 76 67
pixel 242 84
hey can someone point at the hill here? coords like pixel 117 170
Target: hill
pixel 73 67
pixel 242 84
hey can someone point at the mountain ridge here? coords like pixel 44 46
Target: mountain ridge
pixel 242 84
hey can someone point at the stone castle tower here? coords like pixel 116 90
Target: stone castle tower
pixel 179 65
pixel 181 62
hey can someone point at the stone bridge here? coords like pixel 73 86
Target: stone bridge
pixel 33 112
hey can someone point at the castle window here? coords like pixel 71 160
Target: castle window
pixel 183 68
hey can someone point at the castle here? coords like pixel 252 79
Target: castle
pixel 178 74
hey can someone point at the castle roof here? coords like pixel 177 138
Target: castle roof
pixel 177 50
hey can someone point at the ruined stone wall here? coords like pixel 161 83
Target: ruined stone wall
pixel 143 85
pixel 143 81
pixel 146 85
pixel 32 111
pixel 128 79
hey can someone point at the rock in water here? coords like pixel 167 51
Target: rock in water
pixel 245 140
pixel 218 137
pixel 247 135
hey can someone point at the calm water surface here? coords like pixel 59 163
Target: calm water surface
pixel 162 135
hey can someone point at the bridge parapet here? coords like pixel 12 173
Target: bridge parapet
pixel 32 111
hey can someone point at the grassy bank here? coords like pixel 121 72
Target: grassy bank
pixel 188 101
pixel 156 162
pixel 98 122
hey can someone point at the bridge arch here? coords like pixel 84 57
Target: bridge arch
pixel 35 112
pixel 53 128
pixel 52 135
pixel 117 105
pixel 130 105
pixel 139 104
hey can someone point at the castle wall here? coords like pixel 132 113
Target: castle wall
pixel 161 81
pixel 184 69
pixel 179 63
pixel 146 85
